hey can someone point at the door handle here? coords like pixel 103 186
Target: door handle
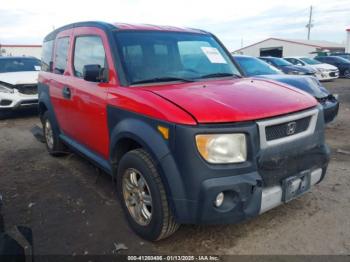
pixel 66 92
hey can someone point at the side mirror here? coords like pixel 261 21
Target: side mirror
pixel 93 73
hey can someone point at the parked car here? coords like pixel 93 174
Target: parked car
pixel 343 55
pixel 165 111
pixel 254 67
pixel 324 71
pixel 286 67
pixel 341 63
pixel 18 82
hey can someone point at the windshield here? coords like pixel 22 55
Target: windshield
pixel 310 61
pixel 8 65
pixel 149 57
pixel 253 66
pixel 280 62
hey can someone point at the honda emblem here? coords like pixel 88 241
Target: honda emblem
pixel 291 128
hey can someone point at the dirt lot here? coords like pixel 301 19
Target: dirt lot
pixel 72 210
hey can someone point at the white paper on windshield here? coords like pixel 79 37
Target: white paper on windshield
pixel 213 55
pixel 37 68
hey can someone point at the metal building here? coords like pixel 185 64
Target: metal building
pixel 279 47
pixel 20 50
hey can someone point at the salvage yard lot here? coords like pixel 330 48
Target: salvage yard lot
pixel 73 210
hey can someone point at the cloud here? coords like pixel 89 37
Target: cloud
pixel 253 20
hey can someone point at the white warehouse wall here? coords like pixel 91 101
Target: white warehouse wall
pixel 289 49
pixel 7 50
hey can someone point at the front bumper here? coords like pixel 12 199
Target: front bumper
pixel 327 75
pixel 330 109
pixel 251 187
pixel 251 194
pixel 16 100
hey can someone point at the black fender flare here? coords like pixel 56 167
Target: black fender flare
pixel 44 98
pixel 152 141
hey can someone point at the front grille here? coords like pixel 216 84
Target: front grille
pixel 287 129
pixel 333 74
pixel 5 102
pixel 27 89
pixel 29 102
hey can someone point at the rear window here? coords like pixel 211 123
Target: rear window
pixel 61 55
pixel 46 56
pixel 8 65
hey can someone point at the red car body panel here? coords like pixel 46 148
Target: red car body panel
pixel 83 117
pixel 144 102
pixel 224 101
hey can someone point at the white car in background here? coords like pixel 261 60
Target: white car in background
pixel 18 83
pixel 324 71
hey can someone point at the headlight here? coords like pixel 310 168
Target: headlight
pixel 321 69
pixel 5 89
pixel 222 148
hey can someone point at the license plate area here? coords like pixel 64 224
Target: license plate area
pixel 295 186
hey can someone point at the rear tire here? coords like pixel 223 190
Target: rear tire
pixel 143 196
pixel 347 73
pixel 53 143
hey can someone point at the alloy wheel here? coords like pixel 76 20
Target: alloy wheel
pixel 49 134
pixel 137 196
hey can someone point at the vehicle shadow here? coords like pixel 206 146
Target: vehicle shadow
pixel 20 113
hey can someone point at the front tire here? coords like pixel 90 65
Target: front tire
pixel 54 145
pixel 143 196
pixel 347 73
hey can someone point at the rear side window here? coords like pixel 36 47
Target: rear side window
pixel 88 50
pixel 61 56
pixel 46 56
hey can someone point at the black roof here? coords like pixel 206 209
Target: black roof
pixel 102 25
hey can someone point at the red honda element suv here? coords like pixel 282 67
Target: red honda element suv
pixel 166 112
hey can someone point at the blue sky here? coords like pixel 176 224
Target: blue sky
pixel 27 22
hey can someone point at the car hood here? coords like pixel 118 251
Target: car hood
pixel 324 66
pixel 306 83
pixel 223 101
pixel 18 78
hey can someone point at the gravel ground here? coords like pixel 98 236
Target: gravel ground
pixel 73 210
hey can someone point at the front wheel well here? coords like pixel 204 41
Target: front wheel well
pixel 122 147
pixel 42 109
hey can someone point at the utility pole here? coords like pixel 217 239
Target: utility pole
pixel 309 25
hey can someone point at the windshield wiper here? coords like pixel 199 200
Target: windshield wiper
pixel 220 75
pixel 162 79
